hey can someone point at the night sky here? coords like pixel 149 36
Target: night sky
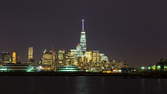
pixel 130 30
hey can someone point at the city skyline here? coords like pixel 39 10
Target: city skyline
pixel 121 30
pixel 83 46
pixel 80 49
pixel 79 59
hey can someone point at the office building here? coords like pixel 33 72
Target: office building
pixel 14 58
pixel 30 55
pixel 83 37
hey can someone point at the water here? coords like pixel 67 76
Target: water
pixel 81 85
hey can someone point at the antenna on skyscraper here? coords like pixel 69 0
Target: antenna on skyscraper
pixel 83 25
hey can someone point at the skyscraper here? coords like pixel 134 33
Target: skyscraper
pixel 5 57
pixel 30 54
pixel 79 51
pixel 14 57
pixel 47 58
pixel 83 37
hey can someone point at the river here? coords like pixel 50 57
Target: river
pixel 80 85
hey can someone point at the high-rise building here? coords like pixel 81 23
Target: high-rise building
pixel 5 57
pixel 83 37
pixel 14 57
pixel 47 58
pixel 79 51
pixel 61 57
pixel 88 56
pixel 30 54
pixel 73 57
pixel 95 56
pixel 53 51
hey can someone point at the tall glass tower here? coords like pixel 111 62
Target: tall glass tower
pixel 83 37
pixel 30 55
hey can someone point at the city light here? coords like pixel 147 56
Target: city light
pixel 78 59
pixel 142 68
pixel 68 69
pixel 30 69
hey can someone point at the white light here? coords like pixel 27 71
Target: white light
pixel 119 70
pixel 39 67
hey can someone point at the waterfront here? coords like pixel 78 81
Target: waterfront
pixel 80 85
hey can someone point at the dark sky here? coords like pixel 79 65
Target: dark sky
pixel 131 30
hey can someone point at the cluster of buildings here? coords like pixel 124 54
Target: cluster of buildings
pixel 79 58
pixel 89 60
pixel 6 57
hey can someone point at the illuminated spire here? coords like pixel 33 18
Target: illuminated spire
pixel 83 25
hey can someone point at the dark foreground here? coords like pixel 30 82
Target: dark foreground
pixel 80 85
pixel 116 75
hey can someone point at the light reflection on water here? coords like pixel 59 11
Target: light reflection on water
pixel 153 86
pixel 81 85
pixel 143 89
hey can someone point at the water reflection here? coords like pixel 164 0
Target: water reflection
pixel 159 86
pixel 143 88
pixel 82 85
pixel 152 86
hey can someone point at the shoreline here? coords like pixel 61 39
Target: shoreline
pixel 119 75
